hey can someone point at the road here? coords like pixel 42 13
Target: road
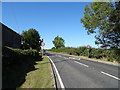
pixel 82 73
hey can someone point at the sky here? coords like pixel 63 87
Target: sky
pixel 49 19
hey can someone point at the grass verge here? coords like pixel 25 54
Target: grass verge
pixel 42 77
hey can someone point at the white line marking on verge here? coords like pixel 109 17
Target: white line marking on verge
pixel 110 75
pixel 59 78
pixel 82 64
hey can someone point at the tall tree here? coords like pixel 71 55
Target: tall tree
pixel 115 19
pixel 58 42
pixel 97 19
pixel 31 39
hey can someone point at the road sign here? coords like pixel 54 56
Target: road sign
pixel 42 44
pixel 88 46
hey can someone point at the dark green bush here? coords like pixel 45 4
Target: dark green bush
pixel 12 56
pixel 113 54
pixel 96 53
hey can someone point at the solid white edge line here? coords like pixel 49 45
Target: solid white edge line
pixel 110 75
pixel 59 78
pixel 82 64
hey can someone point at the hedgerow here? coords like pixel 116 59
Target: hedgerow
pixel 109 54
pixel 11 57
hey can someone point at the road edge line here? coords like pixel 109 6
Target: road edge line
pixel 58 75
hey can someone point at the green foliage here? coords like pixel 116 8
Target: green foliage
pixel 59 42
pixel 16 63
pixel 97 53
pixel 109 54
pixel 31 39
pixel 13 57
pixel 113 55
pixel 99 18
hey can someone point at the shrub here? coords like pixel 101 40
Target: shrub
pixel 110 54
pixel 17 56
pixel 96 53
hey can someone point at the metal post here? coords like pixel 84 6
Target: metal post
pixel 42 50
pixel 88 52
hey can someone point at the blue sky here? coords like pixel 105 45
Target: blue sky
pixel 50 19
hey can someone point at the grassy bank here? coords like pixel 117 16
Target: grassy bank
pixel 42 77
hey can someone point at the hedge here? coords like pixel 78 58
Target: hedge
pixel 12 56
pixel 109 54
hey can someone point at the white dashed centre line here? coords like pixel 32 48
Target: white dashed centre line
pixel 110 75
pixel 82 64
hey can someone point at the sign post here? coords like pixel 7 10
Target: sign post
pixel 88 49
pixel 42 44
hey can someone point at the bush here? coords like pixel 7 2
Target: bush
pixel 17 56
pixel 110 54
pixel 113 55
pixel 96 53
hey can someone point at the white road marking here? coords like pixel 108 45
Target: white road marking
pixel 74 58
pixel 82 64
pixel 110 75
pixel 58 75
pixel 58 55
pixel 65 58
pixel 71 57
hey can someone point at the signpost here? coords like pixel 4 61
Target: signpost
pixel 88 49
pixel 42 44
pixel 88 46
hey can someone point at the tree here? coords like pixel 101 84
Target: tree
pixel 115 19
pixel 58 42
pixel 98 19
pixel 31 39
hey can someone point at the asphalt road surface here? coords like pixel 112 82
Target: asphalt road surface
pixel 82 73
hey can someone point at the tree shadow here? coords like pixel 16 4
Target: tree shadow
pixel 14 75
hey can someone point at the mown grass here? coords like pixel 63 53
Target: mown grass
pixel 42 77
